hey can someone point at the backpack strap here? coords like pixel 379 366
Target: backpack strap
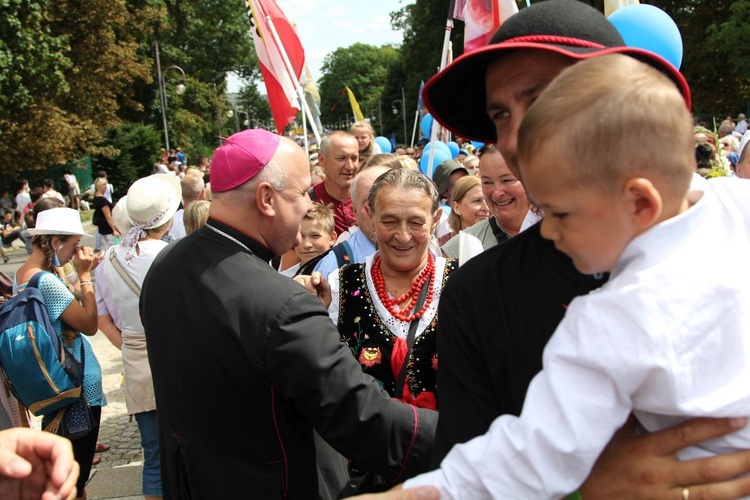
pixel 124 274
pixel 343 253
pixel 54 424
pixel 34 281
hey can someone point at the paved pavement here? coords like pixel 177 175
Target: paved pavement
pixel 119 473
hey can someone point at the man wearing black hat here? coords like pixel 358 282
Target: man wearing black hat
pixel 491 343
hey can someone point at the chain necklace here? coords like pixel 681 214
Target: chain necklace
pixel 230 238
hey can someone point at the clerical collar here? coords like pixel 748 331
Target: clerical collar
pixel 240 239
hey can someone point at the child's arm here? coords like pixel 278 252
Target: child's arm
pixel 572 409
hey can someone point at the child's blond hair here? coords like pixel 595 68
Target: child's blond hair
pixel 196 214
pixel 323 216
pixel 612 118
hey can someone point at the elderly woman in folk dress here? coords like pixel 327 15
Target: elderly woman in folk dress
pixel 386 308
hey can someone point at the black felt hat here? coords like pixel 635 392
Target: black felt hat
pixel 456 96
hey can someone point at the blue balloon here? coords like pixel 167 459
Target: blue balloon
pixel 426 125
pixel 439 157
pixel 650 28
pixel 439 146
pixel 477 144
pixel 453 146
pixel 384 143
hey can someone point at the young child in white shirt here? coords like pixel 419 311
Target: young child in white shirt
pixel 607 152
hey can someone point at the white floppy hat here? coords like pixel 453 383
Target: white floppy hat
pixel 120 216
pixel 153 200
pixel 59 222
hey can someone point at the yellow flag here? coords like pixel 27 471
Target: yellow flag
pixel 612 5
pixel 355 106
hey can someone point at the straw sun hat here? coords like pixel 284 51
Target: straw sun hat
pixel 153 200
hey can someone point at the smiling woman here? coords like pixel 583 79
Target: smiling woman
pixel 386 308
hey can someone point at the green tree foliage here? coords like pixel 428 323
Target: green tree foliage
pixel 255 105
pixel 362 68
pixel 32 59
pixel 72 73
pixel 71 67
pixel 730 39
pixel 711 39
pixel 134 143
pixel 207 39
pixel 423 23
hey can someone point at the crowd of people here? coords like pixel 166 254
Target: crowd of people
pixel 319 339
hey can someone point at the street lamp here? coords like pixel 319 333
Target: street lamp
pixel 179 89
pixel 246 121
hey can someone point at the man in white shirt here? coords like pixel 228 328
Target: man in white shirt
pixel 193 189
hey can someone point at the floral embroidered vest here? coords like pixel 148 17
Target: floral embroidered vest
pixel 380 352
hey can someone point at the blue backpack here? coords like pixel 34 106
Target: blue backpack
pixel 42 374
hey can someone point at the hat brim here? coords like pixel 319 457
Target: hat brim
pixel 467 117
pixel 51 232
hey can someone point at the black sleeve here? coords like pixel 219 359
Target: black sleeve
pixel 465 387
pixel 310 366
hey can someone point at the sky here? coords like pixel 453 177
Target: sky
pixel 325 25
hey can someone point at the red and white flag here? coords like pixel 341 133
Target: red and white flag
pixel 482 18
pixel 282 96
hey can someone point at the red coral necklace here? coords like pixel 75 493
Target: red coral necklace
pixel 410 297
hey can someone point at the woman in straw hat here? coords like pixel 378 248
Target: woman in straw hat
pixel 151 204
pixel 55 241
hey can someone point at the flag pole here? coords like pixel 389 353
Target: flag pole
pixel 414 130
pixel 293 77
pixel 443 59
pixel 304 130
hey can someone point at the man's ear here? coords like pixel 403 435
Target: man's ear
pixel 436 219
pixel 645 202
pixel 265 199
pixel 371 216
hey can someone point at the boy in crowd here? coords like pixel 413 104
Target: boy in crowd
pixel 318 236
pixel 666 336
